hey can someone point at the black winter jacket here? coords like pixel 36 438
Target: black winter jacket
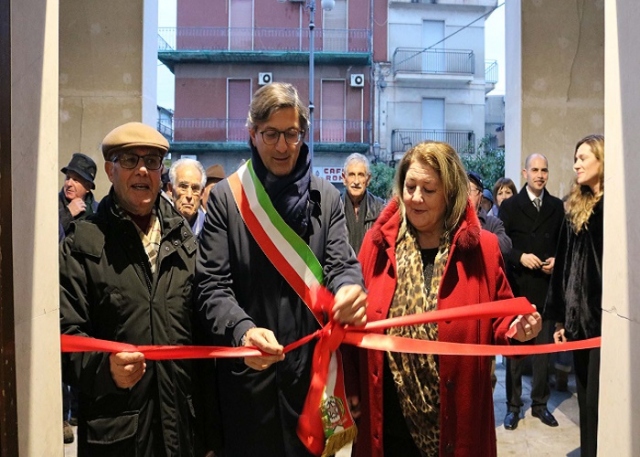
pixel 107 291
pixel 64 215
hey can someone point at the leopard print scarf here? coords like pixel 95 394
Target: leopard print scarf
pixel 416 375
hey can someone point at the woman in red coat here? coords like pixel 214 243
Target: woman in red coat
pixel 426 252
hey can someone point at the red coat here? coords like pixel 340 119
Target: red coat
pixel 474 274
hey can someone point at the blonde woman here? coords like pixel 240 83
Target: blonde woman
pixel 575 293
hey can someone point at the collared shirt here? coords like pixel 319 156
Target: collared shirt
pixel 151 239
pixel 532 196
pixel 198 223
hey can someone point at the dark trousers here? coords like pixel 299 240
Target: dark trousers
pixel 587 366
pixel 540 391
pixel 69 402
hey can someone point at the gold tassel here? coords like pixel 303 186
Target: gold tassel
pixel 339 440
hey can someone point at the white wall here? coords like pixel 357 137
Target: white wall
pixel 34 156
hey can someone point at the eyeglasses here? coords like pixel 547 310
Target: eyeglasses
pixel 184 187
pixel 272 136
pixel 474 191
pixel 129 160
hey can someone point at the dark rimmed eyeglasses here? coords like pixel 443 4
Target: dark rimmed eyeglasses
pixel 272 136
pixel 129 160
pixel 474 191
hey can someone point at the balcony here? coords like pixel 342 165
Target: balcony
pixel 164 127
pixel 452 65
pixel 262 45
pixel 463 141
pixel 459 3
pixel 490 75
pixel 230 135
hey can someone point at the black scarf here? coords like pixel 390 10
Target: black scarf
pixel 289 194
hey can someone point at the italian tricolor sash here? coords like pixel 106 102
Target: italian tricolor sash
pixel 325 424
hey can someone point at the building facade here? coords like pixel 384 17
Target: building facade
pixel 222 52
pixel 430 75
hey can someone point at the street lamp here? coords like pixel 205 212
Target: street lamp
pixel 327 5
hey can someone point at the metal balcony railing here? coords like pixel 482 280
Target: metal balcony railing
pixel 491 71
pixel 434 61
pixel 261 39
pixel 463 141
pixel 165 128
pixel 475 3
pixel 234 130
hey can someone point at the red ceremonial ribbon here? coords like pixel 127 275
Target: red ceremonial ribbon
pixel 310 429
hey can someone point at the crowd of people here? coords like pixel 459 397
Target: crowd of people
pixel 190 256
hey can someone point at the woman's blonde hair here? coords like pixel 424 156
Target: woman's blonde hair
pixel 582 200
pixel 446 162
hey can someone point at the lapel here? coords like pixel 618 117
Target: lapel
pixel 526 206
pixel 546 210
pixel 537 218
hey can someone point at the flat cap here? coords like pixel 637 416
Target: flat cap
pixel 215 173
pixel 475 178
pixel 131 135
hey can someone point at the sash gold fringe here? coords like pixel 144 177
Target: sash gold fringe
pixel 339 440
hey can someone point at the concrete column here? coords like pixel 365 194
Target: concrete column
pixel 106 76
pixel 554 82
pixel 620 370
pixel 108 63
pixel 34 156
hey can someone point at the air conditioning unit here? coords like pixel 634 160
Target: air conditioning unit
pixel 357 80
pixel 264 78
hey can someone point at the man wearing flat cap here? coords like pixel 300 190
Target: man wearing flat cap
pixel 487 221
pixel 125 276
pixel 76 201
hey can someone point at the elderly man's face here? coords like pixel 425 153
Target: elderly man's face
pixel 279 158
pixel 187 193
pixel 136 188
pixel 356 178
pixel 75 186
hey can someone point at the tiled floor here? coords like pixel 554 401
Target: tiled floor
pixel 532 438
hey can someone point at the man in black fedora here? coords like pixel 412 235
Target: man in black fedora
pixel 76 201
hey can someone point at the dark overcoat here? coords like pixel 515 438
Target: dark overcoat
pixel 535 232
pixel 107 291
pixel 238 288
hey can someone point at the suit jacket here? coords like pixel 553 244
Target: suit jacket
pixel 531 232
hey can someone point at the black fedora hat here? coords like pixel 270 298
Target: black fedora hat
pixel 83 165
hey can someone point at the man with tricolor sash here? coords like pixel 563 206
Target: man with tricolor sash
pixel 274 234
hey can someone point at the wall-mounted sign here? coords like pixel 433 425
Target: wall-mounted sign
pixel 331 174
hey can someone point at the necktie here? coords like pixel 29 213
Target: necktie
pixel 537 203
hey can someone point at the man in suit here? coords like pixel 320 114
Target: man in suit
pixel 532 219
